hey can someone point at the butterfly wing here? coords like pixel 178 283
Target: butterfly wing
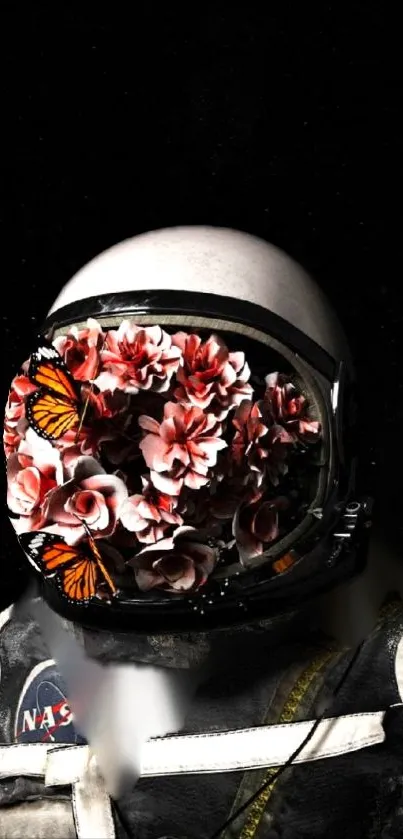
pixel 51 416
pixel 80 580
pixel 79 573
pixel 47 370
pixel 54 408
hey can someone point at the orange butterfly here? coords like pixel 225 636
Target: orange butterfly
pixel 79 568
pixel 55 407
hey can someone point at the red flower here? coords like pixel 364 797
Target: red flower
pixel 137 358
pixel 277 443
pixel 97 432
pixel 210 376
pixel 15 424
pixel 123 446
pixel 32 473
pixel 256 524
pixel 249 439
pixel 80 350
pixel 148 515
pixel 90 498
pixel 182 448
pixel 288 407
pixel 105 405
pixel 177 564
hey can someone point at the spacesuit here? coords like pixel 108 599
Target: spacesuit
pixel 275 633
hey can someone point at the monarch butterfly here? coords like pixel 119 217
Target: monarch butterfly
pixel 79 568
pixel 54 408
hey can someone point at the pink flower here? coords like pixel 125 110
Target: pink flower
pixel 148 515
pixel 256 524
pixel 97 430
pixel 13 433
pixel 87 443
pixel 248 440
pixel 106 405
pixel 15 424
pixel 80 350
pixel 210 376
pixel 288 407
pixel 91 497
pixel 182 448
pixel 137 358
pixel 32 473
pixel 277 443
pixel 176 564
pixel 21 386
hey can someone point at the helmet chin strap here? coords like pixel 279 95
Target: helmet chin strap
pixel 147 701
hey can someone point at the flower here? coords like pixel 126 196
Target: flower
pixel 32 472
pixel 180 408
pixel 90 499
pixel 97 430
pixel 21 386
pixel 288 407
pixel 176 564
pixel 184 445
pixel 137 358
pixel 13 433
pixel 210 376
pixel 107 404
pixel 256 524
pixel 15 424
pixel 87 443
pixel 80 350
pixel 248 440
pixel 277 442
pixel 149 514
pixel 123 446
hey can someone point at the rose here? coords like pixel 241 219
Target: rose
pixel 12 436
pixel 182 448
pixel 80 350
pixel 97 430
pixel 256 524
pixel 277 444
pixel 73 446
pixel 106 405
pixel 248 440
pixel 210 376
pixel 32 472
pixel 288 407
pixel 176 564
pixel 21 386
pixel 137 358
pixel 15 423
pixel 149 514
pixel 91 499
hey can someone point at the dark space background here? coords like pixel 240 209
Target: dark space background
pixel 281 122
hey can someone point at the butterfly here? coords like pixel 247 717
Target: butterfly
pixel 79 568
pixel 55 407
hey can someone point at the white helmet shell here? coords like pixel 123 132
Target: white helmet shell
pixel 213 261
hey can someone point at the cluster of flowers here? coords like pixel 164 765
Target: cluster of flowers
pixel 174 449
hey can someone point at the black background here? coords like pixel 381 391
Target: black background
pixel 281 122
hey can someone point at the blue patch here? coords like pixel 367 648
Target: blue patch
pixel 43 713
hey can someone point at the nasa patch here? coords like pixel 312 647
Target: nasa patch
pixel 43 713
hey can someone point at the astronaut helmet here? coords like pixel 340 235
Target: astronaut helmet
pixel 181 443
